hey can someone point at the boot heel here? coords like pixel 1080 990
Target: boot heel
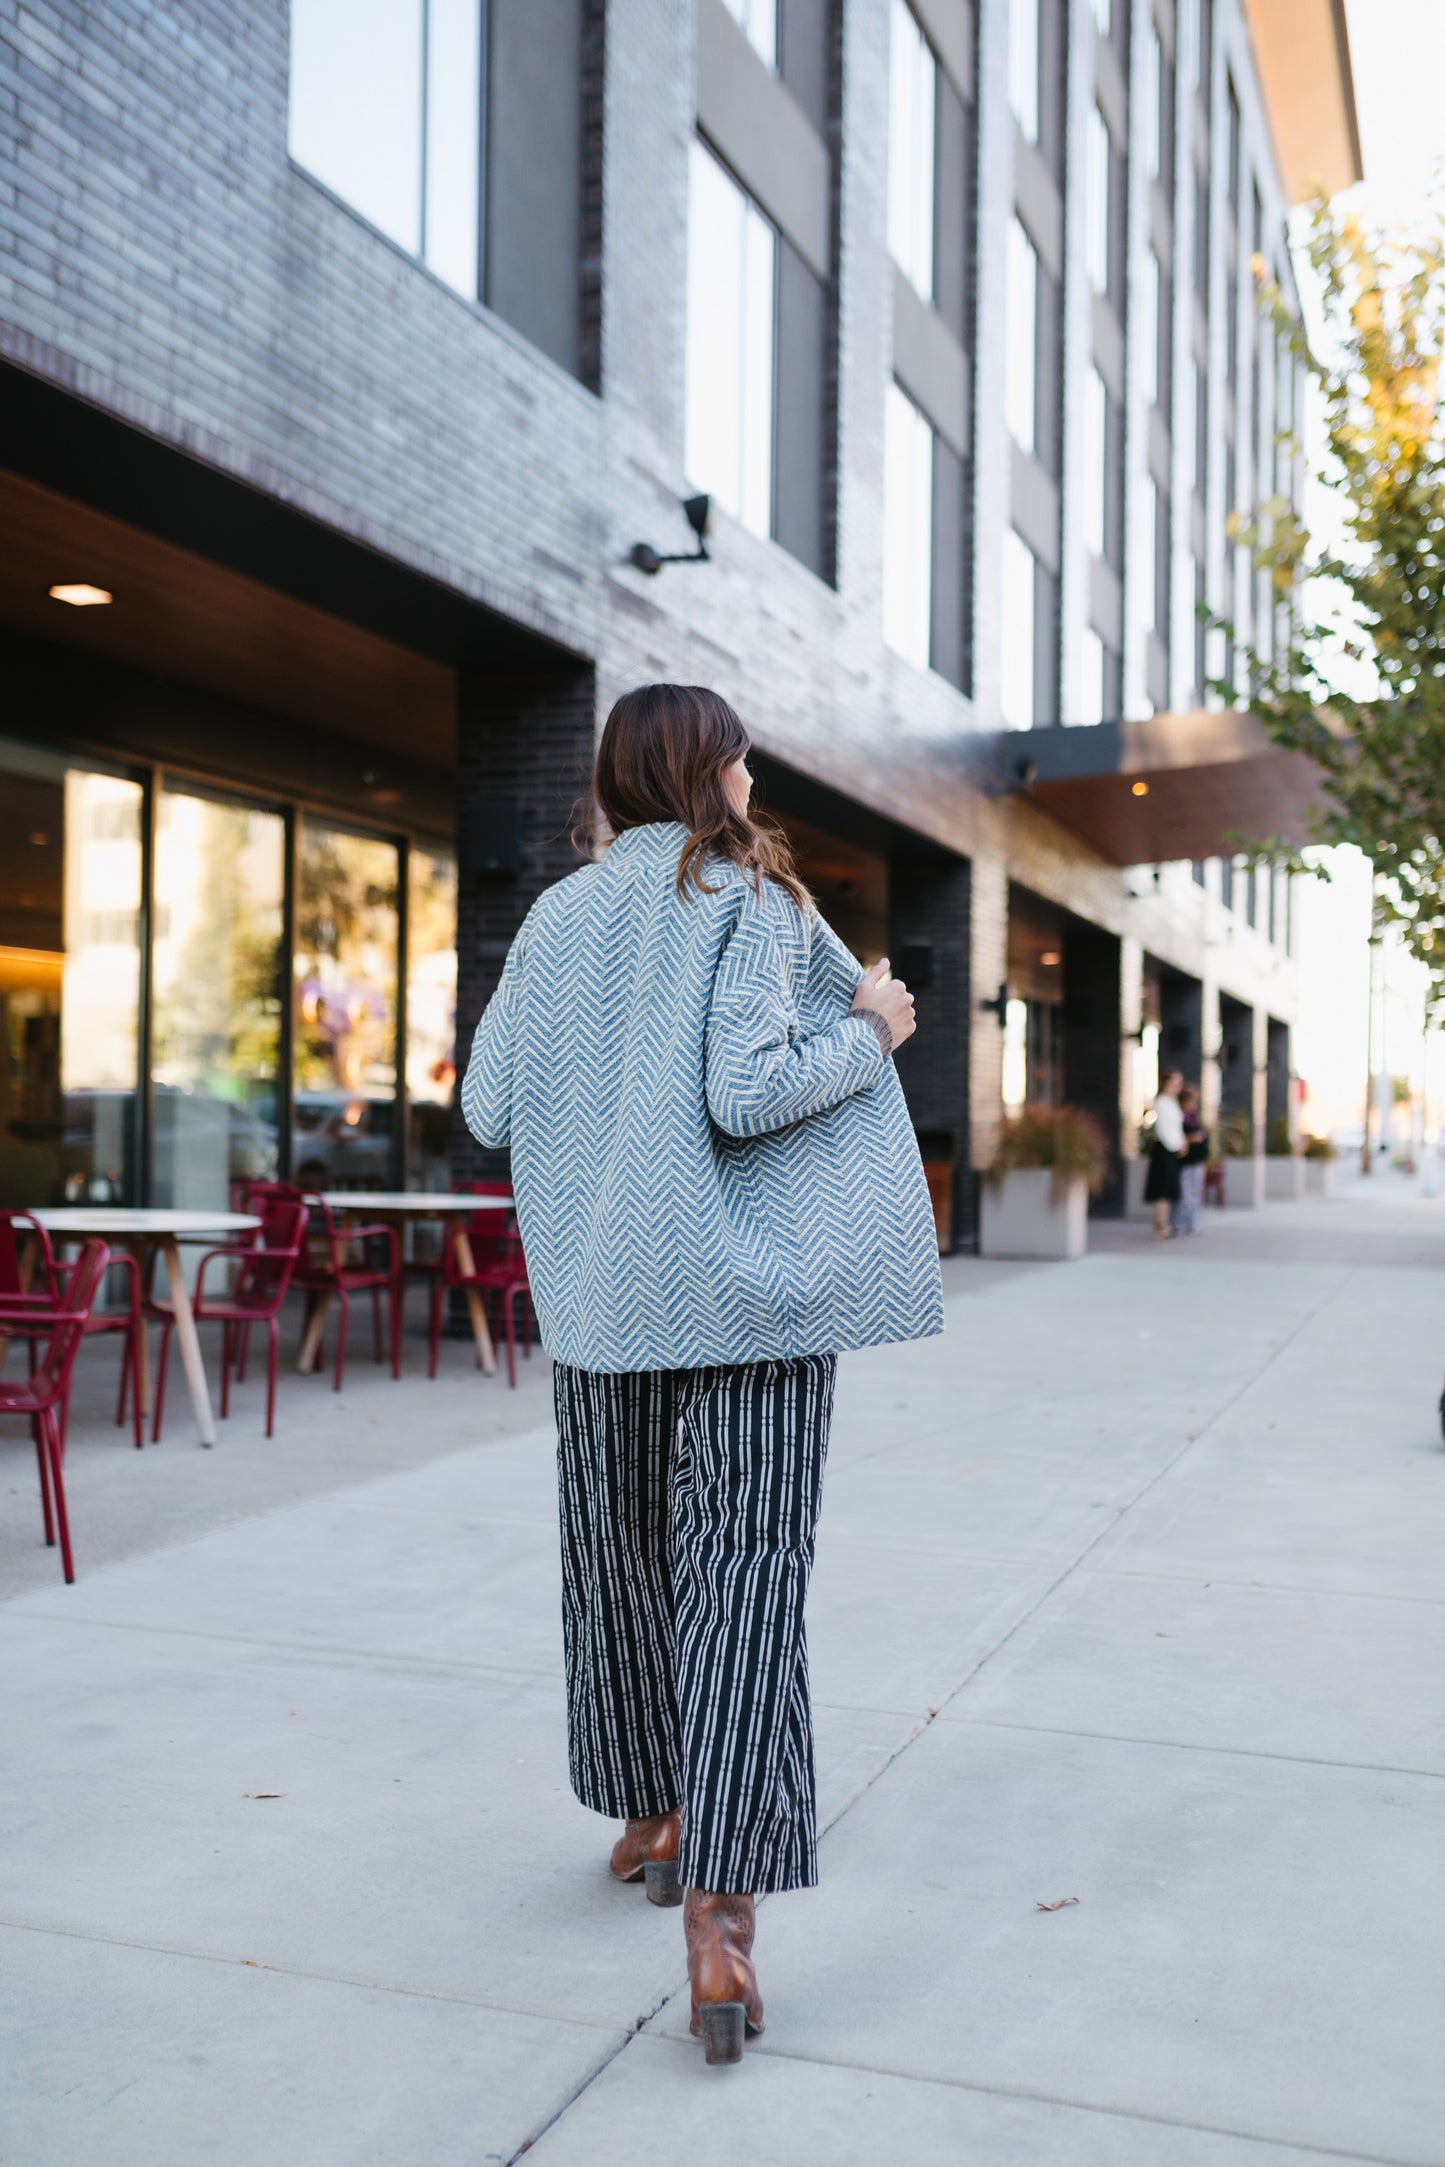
pixel 722 2024
pixel 663 1886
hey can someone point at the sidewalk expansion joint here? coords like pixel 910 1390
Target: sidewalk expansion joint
pixel 1196 1745
pixel 1081 2106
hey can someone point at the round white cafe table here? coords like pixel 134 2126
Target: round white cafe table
pixel 397 1205
pixel 138 1229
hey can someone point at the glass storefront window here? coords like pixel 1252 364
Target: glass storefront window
pixel 431 1015
pixel 219 888
pixel 345 1010
pixel 70 897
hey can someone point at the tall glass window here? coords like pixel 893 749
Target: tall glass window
pixel 1150 317
pixel 385 108
pixel 912 112
pixel 731 285
pixel 1091 677
pixel 1018 628
pixel 70 926
pixel 1151 87
pixel 220 875
pixel 344 1005
pixel 1023 65
pixel 431 1014
pixel 1096 454
pixel 1104 18
pixel 758 21
pixel 1100 201
pixel 1022 339
pixel 907 529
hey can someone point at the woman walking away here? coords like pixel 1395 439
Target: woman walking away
pixel 1166 1158
pixel 717 1188
pixel 1191 1170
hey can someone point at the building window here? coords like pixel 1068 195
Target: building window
pixel 912 111
pixel 907 529
pixel 1160 526
pixel 385 108
pixel 1150 327
pixel 1016 701
pixel 732 267
pixel 1021 390
pixel 1104 18
pixel 1101 202
pixel 1091 678
pixel 1096 463
pixel 1201 430
pixel 431 1014
pixel 218 988
pixel 1023 65
pixel 758 21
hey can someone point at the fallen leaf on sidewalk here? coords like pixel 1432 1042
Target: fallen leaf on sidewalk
pixel 264 1794
pixel 1165 1636
pixel 249 1963
pixel 1061 1904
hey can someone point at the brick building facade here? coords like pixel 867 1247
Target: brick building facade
pixel 368 524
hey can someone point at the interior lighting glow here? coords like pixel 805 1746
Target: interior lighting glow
pixel 80 595
pixel 1140 790
pixel 1050 957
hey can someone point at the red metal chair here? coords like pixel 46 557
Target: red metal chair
pixel 324 1269
pixel 45 1397
pixel 41 1301
pixel 263 1277
pixel 499 1269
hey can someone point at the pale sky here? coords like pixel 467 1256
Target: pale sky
pixel 1399 63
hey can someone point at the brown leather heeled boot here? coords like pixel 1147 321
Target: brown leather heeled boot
pixel 647 1851
pixel 725 1998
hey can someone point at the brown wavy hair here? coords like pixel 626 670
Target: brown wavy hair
pixel 662 757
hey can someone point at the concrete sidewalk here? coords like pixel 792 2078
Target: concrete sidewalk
pixel 1129 1590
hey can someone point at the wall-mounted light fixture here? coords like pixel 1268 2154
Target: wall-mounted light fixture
pixel 1140 790
pixel 699 517
pixel 999 1006
pixel 79 595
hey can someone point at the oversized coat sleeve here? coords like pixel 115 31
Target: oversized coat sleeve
pixel 763 1071
pixel 487 1087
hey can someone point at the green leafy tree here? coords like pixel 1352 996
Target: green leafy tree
pixel 1363 691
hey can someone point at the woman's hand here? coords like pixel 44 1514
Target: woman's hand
pixel 889 998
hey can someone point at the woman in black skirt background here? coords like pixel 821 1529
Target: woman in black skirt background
pixel 1166 1156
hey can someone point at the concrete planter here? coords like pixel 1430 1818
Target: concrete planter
pixel 1244 1183
pixel 1319 1177
pixel 1136 1173
pixel 1022 1219
pixel 1284 1180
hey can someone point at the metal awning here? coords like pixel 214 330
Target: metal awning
pixel 1176 786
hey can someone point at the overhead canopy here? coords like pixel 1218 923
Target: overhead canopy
pixel 1177 786
pixel 1302 49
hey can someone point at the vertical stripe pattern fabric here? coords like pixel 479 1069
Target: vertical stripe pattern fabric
pixel 689 1505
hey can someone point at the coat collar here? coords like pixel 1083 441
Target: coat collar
pixel 650 844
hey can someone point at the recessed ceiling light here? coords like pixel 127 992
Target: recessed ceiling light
pixel 1140 790
pixel 80 595
pixel 40 839
pixel 1050 957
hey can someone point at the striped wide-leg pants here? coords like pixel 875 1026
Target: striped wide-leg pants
pixel 689 1503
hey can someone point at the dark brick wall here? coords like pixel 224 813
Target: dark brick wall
pixel 524 747
pixel 1093 1047
pixel 929 910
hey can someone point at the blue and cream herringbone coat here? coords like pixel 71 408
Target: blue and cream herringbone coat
pixel 712 1160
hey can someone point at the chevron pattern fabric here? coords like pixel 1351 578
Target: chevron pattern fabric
pixel 712 1160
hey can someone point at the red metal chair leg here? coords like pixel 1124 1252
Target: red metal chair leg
pixel 162 1363
pixel 226 1331
pixel 396 1326
pixel 51 1429
pixel 273 1338
pixel 376 1353
pixel 245 1354
pixel 434 1326
pixel 133 1342
pixel 343 1318
pixel 40 1457
pixel 510 1306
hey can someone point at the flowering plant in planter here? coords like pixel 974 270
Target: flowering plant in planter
pixel 1236 1136
pixel 1062 1138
